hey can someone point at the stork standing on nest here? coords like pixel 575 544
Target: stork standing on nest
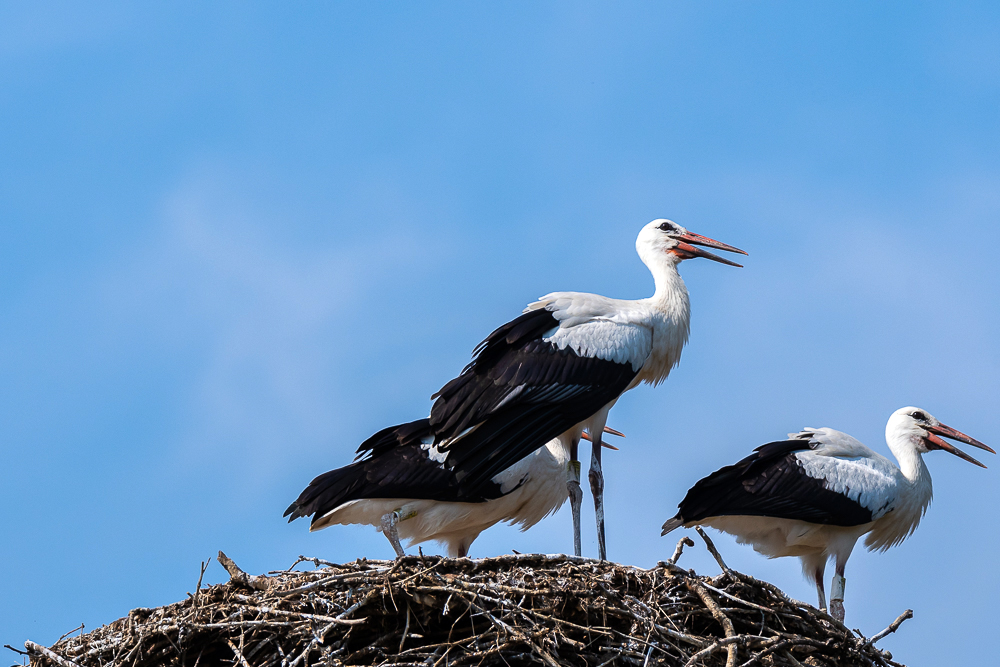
pixel 406 490
pixel 815 494
pixel 557 370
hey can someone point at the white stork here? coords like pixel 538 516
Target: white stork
pixel 548 375
pixel 403 487
pixel 815 494
pixel 557 370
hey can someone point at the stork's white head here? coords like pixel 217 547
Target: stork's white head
pixel 919 430
pixel 666 239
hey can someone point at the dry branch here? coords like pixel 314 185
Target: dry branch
pixel 438 612
pixel 892 627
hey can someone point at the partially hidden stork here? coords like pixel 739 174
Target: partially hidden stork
pixel 815 494
pixel 557 370
pixel 401 485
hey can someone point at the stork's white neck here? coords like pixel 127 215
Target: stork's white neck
pixel 913 493
pixel 911 463
pixel 664 270
pixel 669 314
pixel 917 496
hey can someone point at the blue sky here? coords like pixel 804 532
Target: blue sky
pixel 235 240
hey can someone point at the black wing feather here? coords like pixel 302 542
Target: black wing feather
pixel 770 482
pixel 396 467
pixel 514 395
pixel 410 433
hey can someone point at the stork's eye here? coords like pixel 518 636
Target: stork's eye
pixel 668 227
pixel 919 416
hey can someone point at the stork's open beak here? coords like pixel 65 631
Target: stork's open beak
pixel 934 442
pixel 607 429
pixel 688 240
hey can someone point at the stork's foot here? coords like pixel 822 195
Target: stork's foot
pixel 575 502
pixel 837 609
pixel 388 528
pixel 597 488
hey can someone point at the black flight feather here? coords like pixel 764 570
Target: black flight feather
pixel 519 392
pixel 396 467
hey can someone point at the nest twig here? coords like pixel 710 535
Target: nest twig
pixel 437 612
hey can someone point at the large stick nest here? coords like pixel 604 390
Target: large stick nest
pixel 512 610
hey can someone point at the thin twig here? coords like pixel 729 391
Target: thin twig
pixel 241 577
pixel 237 653
pixel 715 552
pixel 49 655
pixel 736 599
pixel 197 589
pixel 727 624
pixel 681 543
pixel 406 630
pixel 80 627
pixel 908 614
pixel 776 644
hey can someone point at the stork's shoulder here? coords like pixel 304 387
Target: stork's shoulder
pixel 829 442
pixel 848 467
pixel 597 327
pixel 574 308
pixel 828 447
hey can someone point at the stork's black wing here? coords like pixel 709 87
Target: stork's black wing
pixel 518 393
pixel 397 467
pixel 770 482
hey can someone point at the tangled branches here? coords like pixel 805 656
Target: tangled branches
pixel 438 612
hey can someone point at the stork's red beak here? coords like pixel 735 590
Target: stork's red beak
pixel 688 240
pixel 934 442
pixel 607 429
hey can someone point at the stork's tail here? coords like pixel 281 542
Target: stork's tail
pixel 327 491
pixel 351 482
pixel 671 524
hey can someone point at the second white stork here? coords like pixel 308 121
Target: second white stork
pixel 557 370
pixel 401 485
pixel 815 494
